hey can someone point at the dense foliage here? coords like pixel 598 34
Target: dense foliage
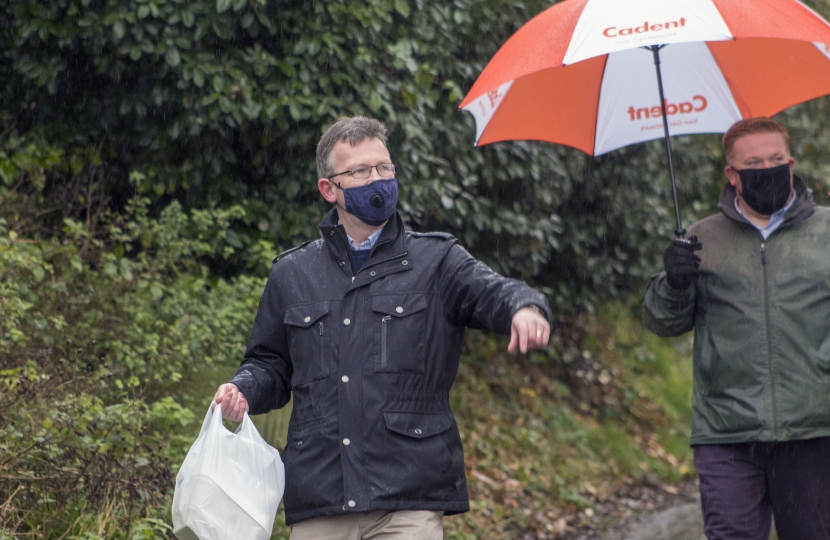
pixel 219 102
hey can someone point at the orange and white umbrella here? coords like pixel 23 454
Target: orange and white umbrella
pixel 582 73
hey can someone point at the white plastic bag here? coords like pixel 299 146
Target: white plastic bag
pixel 229 486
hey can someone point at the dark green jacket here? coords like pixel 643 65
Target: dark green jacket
pixel 761 315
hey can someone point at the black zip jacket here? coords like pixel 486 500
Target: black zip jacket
pixel 370 359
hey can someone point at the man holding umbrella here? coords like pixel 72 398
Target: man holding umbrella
pixel 754 283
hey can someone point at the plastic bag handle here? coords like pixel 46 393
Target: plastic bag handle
pixel 212 419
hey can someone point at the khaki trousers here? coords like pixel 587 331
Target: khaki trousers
pixel 379 525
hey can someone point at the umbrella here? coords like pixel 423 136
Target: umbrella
pixel 582 72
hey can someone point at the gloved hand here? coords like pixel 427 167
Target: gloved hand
pixel 681 262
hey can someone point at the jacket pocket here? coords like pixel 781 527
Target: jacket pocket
pixel 308 341
pixel 414 462
pixel 400 322
pixel 417 425
pixel 313 470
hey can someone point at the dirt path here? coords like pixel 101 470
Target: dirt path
pixel 679 522
pixel 656 515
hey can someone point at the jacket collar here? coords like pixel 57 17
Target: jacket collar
pixel 392 240
pixel 802 208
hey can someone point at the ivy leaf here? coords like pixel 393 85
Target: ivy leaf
pixel 222 5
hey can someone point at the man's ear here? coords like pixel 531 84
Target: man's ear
pixel 327 190
pixel 734 177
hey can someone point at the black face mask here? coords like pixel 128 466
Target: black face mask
pixel 766 190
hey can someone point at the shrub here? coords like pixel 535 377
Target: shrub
pixel 99 321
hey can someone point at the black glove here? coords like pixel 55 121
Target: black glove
pixel 681 262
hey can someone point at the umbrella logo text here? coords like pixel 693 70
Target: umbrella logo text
pixel 612 31
pixel 697 104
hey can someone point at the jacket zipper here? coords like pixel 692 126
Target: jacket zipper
pixel 769 341
pixel 383 341
pixel 322 350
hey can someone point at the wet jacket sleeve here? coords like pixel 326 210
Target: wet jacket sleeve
pixel 667 311
pixel 476 296
pixel 264 375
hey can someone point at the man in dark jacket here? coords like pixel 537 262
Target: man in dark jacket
pixel 365 327
pixel 758 298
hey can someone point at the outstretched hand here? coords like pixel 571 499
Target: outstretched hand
pixel 233 402
pixel 529 330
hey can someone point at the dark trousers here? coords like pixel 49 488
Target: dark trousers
pixel 743 485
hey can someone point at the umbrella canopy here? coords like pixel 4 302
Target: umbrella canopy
pixel 582 74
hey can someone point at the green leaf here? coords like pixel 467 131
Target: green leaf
pixel 172 57
pixel 375 101
pixel 222 5
pixel 402 7
pixel 118 30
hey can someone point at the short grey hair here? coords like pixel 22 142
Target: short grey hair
pixel 355 130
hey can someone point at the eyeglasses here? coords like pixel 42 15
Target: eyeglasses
pixel 385 170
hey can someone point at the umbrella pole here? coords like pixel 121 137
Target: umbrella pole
pixel 655 49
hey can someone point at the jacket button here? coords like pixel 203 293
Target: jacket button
pixel 404 263
pixel 417 431
pixel 399 309
pixel 347 322
pixel 351 504
pixel 299 443
pixel 347 442
pixel 372 273
pixel 344 378
pixel 342 263
pixel 307 319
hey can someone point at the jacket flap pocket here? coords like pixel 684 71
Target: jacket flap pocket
pixel 399 305
pixel 307 314
pixel 417 425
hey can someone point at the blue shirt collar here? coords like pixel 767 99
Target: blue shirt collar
pixel 775 219
pixel 369 243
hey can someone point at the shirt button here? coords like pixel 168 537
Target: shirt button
pixel 404 263
pixel 347 442
pixel 307 319
pixel 344 378
pixel 399 309
pixel 417 431
pixel 351 504
pixel 347 322
pixel 372 273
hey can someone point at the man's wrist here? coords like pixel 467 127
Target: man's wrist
pixel 537 309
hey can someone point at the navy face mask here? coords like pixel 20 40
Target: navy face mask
pixel 374 203
pixel 766 190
